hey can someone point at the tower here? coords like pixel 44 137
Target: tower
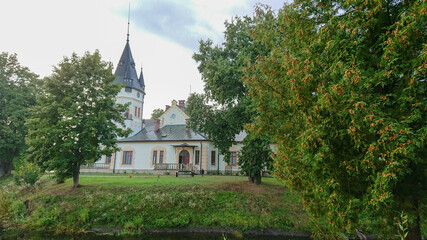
pixel 133 91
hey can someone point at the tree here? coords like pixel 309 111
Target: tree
pixel 76 119
pixel 255 156
pixel 17 94
pixel 157 113
pixel 221 68
pixel 343 94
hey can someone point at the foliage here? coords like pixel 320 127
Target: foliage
pixel 27 173
pixel 18 209
pixel 255 156
pixel 157 113
pixel 343 94
pixel 76 119
pixel 152 203
pixel 402 225
pixel 221 68
pixel 17 94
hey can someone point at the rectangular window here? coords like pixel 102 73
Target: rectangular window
pixel 139 112
pixel 161 153
pixel 213 156
pixel 197 158
pixel 136 111
pixel 129 115
pixel 154 157
pixel 233 158
pixel 107 160
pixel 127 157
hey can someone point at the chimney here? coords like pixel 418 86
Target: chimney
pixel 181 103
pixel 167 107
pixel 156 125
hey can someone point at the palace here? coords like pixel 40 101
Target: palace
pixel 159 145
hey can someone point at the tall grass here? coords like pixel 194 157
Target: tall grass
pixel 136 204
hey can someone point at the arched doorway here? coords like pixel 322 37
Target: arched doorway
pixel 184 157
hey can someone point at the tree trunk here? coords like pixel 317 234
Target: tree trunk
pixel 251 179
pixel 415 229
pixel 9 169
pixel 6 168
pixel 76 178
pixel 257 180
pixel 2 169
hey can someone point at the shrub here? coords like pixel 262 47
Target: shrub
pixel 27 173
pixel 18 209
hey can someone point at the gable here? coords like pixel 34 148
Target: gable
pixel 173 116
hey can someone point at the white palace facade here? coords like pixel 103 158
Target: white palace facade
pixel 159 146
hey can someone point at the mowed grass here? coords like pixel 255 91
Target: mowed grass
pixel 153 181
pixel 135 204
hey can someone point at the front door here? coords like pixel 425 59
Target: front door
pixel 184 157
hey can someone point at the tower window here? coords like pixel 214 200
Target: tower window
pixel 128 89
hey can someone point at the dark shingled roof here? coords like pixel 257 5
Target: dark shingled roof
pixel 167 133
pixel 170 133
pixel 126 72
pixel 141 81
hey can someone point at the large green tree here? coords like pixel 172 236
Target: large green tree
pixel 157 113
pixel 343 94
pixel 77 119
pixel 225 108
pixel 17 94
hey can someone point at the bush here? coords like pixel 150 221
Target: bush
pixel 27 173
pixel 18 209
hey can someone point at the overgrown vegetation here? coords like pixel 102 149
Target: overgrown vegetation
pixel 135 204
pixel 25 172
pixel 342 93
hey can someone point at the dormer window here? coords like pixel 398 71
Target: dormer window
pixel 128 89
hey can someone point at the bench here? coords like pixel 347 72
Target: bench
pixel 184 173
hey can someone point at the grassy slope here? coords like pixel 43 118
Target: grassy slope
pixel 138 203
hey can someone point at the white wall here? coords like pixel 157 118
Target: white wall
pixel 124 97
pixel 142 155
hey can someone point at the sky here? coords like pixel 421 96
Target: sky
pixel 164 35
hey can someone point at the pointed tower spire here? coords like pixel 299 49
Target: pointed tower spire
pixel 128 23
pixel 141 81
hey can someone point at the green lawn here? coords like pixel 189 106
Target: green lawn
pixel 133 204
pixel 153 181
